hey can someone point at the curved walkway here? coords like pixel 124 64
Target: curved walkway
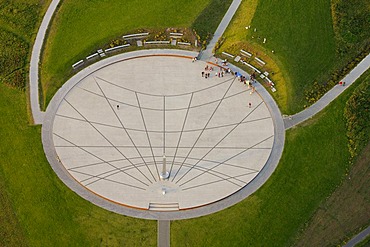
pixel 351 77
pixel 38 115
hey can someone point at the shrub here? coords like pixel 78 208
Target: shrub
pixel 357 114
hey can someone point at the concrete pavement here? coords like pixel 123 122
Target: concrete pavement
pixel 208 52
pixel 38 115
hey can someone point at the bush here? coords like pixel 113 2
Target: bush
pixel 357 114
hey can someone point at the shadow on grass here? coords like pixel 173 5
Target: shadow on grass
pixel 208 20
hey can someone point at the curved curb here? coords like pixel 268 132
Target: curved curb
pixel 256 183
pixel 38 115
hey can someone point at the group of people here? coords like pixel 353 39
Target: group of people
pixel 244 80
pixel 206 73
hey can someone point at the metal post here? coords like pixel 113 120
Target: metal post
pixel 165 174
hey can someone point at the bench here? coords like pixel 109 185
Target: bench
pixel 271 83
pixel 92 56
pixel 237 58
pixel 117 48
pixel 183 43
pixel 252 67
pixel 245 53
pixel 135 35
pixel 79 63
pixel 176 35
pixel 259 61
pixel 228 54
pixel 157 42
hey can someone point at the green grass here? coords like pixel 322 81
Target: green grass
pixel 314 162
pixel 302 37
pixel 82 26
pixel 49 213
pixel 209 19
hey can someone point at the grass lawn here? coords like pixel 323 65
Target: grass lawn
pixel 48 213
pixel 314 162
pixel 301 35
pixel 80 27
pixel 347 210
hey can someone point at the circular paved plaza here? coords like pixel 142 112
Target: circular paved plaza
pixel 114 129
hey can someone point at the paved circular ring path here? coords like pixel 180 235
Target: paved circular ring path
pixel 110 128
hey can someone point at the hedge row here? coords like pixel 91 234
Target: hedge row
pixel 357 114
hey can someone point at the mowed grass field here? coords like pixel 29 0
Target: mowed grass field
pixel 301 36
pixel 80 27
pixel 41 210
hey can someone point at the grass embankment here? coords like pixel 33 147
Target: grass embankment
pixel 308 45
pixel 314 163
pixel 80 27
